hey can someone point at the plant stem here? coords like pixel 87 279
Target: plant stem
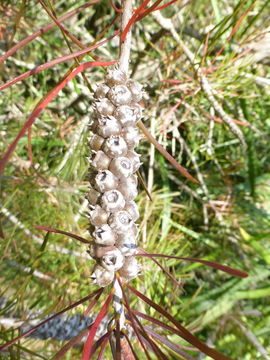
pixel 126 44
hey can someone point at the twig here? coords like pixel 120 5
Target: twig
pixel 28 270
pixel 44 29
pixel 126 44
pixel 205 85
pixel 252 338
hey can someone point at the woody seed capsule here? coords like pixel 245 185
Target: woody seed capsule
pixel 101 161
pixel 108 126
pixel 105 180
pixel 101 91
pixel 121 166
pixel 104 235
pixel 113 260
pixel 95 142
pixel 116 77
pixel 120 95
pixel 112 200
pixel 101 276
pixel 105 107
pixel 120 221
pixel 98 216
pixel 115 146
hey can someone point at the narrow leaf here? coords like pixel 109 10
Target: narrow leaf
pixel 132 320
pixel 89 342
pixel 185 333
pixel 161 267
pixel 8 344
pixel 78 337
pixel 51 63
pixel 45 101
pixel 103 345
pixel 77 237
pixel 164 341
pixel 177 166
pixel 227 269
pixel 133 19
pixel 43 30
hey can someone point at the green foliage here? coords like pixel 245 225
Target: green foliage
pixel 226 218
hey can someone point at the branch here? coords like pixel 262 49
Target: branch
pixel 125 44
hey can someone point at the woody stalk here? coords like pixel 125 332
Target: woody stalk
pixel 113 181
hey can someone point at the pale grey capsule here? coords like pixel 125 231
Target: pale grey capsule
pixel 130 270
pixel 101 91
pixel 135 159
pixel 131 136
pixel 101 276
pixel 104 235
pixel 113 260
pixel 120 221
pixel 105 180
pixel 108 126
pixel 115 146
pixel 121 166
pixel 112 200
pixel 132 208
pixel 137 111
pixel 104 107
pixel 95 142
pixel 127 242
pixel 116 77
pixel 127 115
pixel 93 196
pixel 94 126
pixel 101 161
pixel 120 95
pixel 136 90
pixel 128 187
pixel 98 216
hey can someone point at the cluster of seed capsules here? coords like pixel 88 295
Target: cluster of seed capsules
pixel 113 180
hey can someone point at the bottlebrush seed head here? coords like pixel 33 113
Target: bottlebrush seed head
pixel 113 200
pixel 121 166
pixel 113 183
pixel 105 180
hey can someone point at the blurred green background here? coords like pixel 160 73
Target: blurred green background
pixel 225 219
